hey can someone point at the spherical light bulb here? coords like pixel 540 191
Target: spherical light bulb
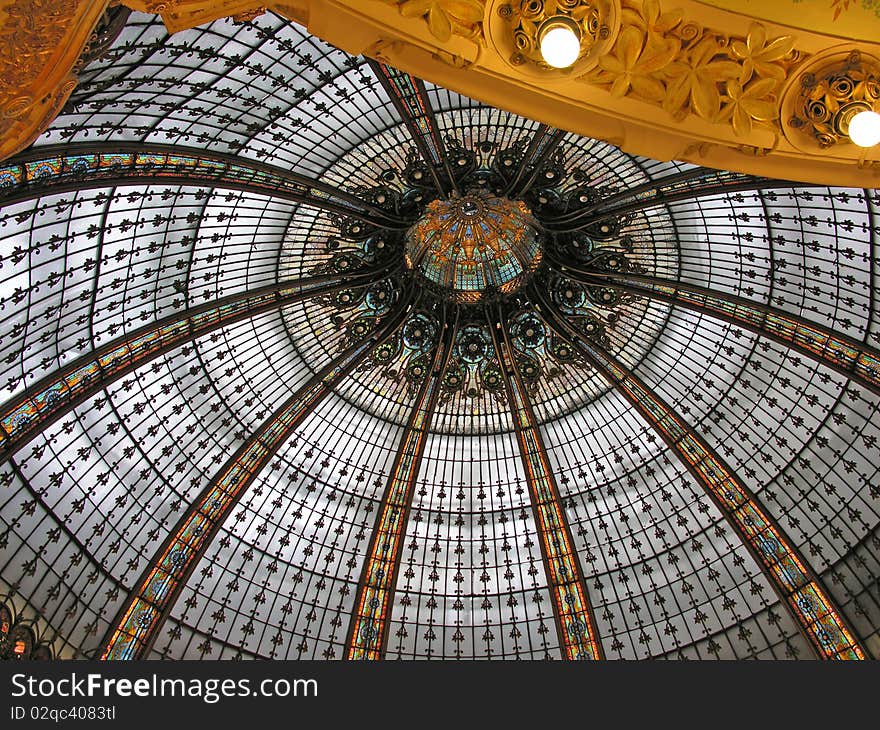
pixel 560 45
pixel 864 129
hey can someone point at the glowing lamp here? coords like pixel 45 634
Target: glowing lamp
pixel 560 40
pixel 864 128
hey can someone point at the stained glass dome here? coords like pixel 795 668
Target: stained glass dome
pixel 307 358
pixel 466 246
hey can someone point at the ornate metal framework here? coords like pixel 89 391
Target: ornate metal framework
pixel 808 601
pixel 575 623
pixel 141 619
pixel 55 395
pixel 65 168
pixel 837 351
pixel 207 232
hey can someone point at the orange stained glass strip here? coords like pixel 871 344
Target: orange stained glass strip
pixel 25 415
pixel 143 616
pixel 139 621
pixel 844 354
pixel 574 619
pixel 368 630
pixel 805 598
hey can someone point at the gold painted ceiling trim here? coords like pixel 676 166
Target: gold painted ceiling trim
pixel 40 43
pixel 845 19
pixel 679 80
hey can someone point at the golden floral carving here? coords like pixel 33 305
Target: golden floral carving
pixel 758 56
pixel 181 14
pixel 661 58
pixel 634 63
pixel 32 30
pixel 694 81
pixel 754 104
pixel 447 18
pixel 40 41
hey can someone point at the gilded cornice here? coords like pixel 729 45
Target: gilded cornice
pixel 40 43
pixel 681 80
pixel 182 14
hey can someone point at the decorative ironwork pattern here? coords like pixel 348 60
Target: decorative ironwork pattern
pixel 368 632
pixel 834 350
pixel 142 618
pixel 54 169
pixel 280 160
pixel 576 626
pixel 686 185
pixel 138 625
pixel 410 92
pixel 31 412
pixel 805 598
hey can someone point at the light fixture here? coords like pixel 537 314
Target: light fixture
pixel 835 100
pixel 560 39
pixel 864 128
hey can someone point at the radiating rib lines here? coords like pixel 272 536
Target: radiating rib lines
pixel 839 352
pixel 368 631
pixel 25 415
pixel 408 95
pixel 688 185
pixel 137 624
pixel 575 623
pixel 814 611
pixel 64 168
pixel 543 144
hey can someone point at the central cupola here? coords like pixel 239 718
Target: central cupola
pixel 465 246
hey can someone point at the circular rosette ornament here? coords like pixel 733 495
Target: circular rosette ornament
pixel 603 296
pixel 517 28
pixel 527 331
pixel 417 370
pixel 568 295
pixel 472 345
pixel 419 332
pixel 356 230
pixel 454 377
pixel 529 369
pixel 358 329
pixel 341 263
pixel 379 298
pixel 561 349
pixel 386 352
pixel 347 298
pixel 491 377
pixel 593 328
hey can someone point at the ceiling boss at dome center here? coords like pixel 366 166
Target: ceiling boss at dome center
pixel 467 246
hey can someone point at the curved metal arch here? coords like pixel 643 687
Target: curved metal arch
pixel 572 611
pixel 367 633
pixel 139 620
pixel 409 97
pixel 848 356
pixel 64 168
pixel 44 402
pixel 800 590
pixel 691 184
pixel 543 145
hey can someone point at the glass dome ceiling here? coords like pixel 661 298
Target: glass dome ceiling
pixel 236 425
pixel 472 245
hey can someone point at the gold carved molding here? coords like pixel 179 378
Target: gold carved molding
pixel 669 80
pixel 40 43
pixel 674 80
pixel 182 14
